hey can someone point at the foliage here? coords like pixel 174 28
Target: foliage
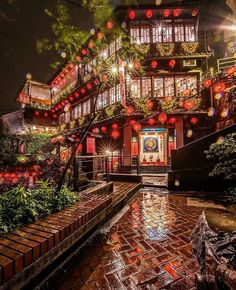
pixel 169 105
pixel 110 110
pixel 36 142
pixel 8 147
pixel 20 206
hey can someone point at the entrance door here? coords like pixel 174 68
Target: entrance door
pixel 153 147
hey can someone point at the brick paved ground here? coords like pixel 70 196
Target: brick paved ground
pixel 148 248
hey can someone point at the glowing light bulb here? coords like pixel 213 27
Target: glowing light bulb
pixel 130 65
pixel 114 69
pixel 177 183
pixel 63 54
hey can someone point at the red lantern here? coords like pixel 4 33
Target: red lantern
pixel 129 110
pixel 83 91
pixel 100 35
pixel 96 82
pixel 230 70
pixel 150 104
pixel 172 121
pixel 59 106
pixel 172 63
pixel 218 88
pixel 71 98
pixel 162 118
pixel 95 130
pixel 177 12
pixel 78 58
pixel 89 86
pixel 76 94
pixel 52 111
pixel 109 25
pixel 37 113
pixel 132 122
pixel 132 14
pixel 151 121
pixel 90 44
pixel 149 13
pixel 194 12
pixel 66 101
pixel 188 105
pixel 194 120
pixel 84 51
pixel 207 83
pixel 46 114
pixel 115 126
pixel 154 64
pixel 137 127
pixel 115 134
pixel 166 12
pixel 104 129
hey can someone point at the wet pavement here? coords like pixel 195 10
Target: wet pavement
pixel 147 248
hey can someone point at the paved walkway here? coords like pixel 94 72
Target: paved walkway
pixel 147 248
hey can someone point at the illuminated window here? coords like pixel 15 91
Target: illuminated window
pixel 157 34
pixel 135 34
pixel 136 88
pixel 146 87
pixel 169 86
pixel 179 33
pixel 67 117
pixel 62 119
pixel 144 34
pixel 183 83
pixel 115 95
pixel 86 107
pixel 77 111
pixel 158 87
pixel 102 100
pixel 167 33
pixel 190 34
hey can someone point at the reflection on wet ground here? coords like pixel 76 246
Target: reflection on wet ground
pixel 147 248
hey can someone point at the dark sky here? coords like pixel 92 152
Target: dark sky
pixel 20 27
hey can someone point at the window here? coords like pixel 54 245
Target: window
pixel 67 117
pixel 167 33
pixel 134 34
pixel 86 107
pixel 158 87
pixel 157 34
pixel 179 33
pixel 77 111
pixel 146 87
pixel 190 34
pixel 136 88
pixel 169 86
pixel 184 83
pixel 62 119
pixel 102 100
pixel 145 34
pixel 115 94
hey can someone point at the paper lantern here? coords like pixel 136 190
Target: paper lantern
pixel 162 118
pixel 104 129
pixel 89 86
pixel 115 134
pixel 71 98
pixel 137 127
pixel 151 121
pixel 100 35
pixel 78 58
pixel 66 101
pixel 95 130
pixel 132 122
pixel 207 83
pixel 46 114
pixel 53 111
pixel 76 94
pixel 129 110
pixel 177 12
pixel 166 12
pixel 54 116
pixel 194 12
pixel 189 133
pixel 188 105
pixel 84 51
pixel 83 91
pixel 132 14
pixel 154 64
pixel 96 82
pixel 187 92
pixel 172 121
pixel 149 13
pixel 210 112
pixel 230 70
pixel 37 113
pixel 150 104
pixel 115 126
pixel 91 44
pixel 172 63
pixel 219 87
pixel 109 25
pixel 194 120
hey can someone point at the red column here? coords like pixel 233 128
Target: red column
pixel 179 127
pixel 127 133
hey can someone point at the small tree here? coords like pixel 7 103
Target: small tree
pixel 224 153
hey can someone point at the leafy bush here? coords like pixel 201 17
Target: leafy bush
pixel 224 153
pixel 20 206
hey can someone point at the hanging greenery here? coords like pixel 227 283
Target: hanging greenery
pixel 141 105
pixel 189 47
pixel 165 49
pixel 169 104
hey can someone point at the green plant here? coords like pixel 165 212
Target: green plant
pixel 169 105
pixel 110 110
pixel 36 142
pixel 20 205
pixel 141 105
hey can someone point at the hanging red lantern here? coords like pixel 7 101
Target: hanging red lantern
pixel 207 83
pixel 91 44
pixel 230 70
pixel 89 86
pixel 53 111
pixel 166 12
pixel 115 134
pixel 59 106
pixel 71 98
pixel 104 129
pixel 137 127
pixel 46 114
pixel 76 94
pixel 188 105
pixel 78 58
pixel 115 126
pixel 132 14
pixel 95 130
pixel 172 121
pixel 150 104
pixel 100 35
pixel 37 113
pixel 54 116
pixel 84 51
pixel 83 91
pixel 149 13
pixel 151 121
pixel 154 64
pixel 194 120
pixel 162 118
pixel 172 63
pixel 177 12
pixel 129 110
pixel 219 87
pixel 132 122
pixel 194 12
pixel 109 25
